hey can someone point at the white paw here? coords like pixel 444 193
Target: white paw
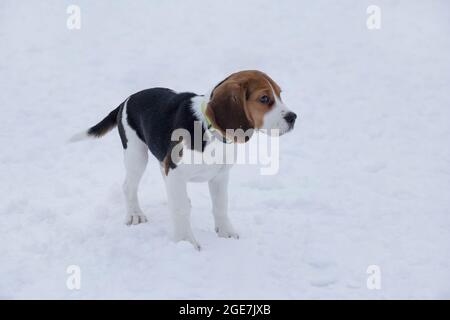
pixel 226 231
pixel 135 218
pixel 190 239
pixel 196 245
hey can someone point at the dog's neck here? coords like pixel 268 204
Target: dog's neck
pixel 199 105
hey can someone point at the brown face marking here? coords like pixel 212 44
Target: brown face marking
pixel 241 101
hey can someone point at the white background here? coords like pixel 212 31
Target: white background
pixel 364 177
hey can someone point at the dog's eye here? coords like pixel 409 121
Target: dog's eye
pixel 264 99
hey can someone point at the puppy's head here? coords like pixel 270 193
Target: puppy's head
pixel 249 100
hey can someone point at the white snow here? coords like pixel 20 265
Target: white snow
pixel 364 178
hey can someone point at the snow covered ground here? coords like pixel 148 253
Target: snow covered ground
pixel 364 178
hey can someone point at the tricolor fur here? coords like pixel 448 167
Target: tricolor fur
pixel 247 100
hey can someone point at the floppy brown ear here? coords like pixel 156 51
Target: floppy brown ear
pixel 227 107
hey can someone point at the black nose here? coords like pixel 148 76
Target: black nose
pixel 290 118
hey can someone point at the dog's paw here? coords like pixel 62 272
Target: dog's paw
pixel 135 218
pixel 191 240
pixel 226 231
pixel 197 246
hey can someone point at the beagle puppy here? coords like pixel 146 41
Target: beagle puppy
pixel 246 101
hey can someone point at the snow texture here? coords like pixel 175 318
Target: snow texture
pixel 364 178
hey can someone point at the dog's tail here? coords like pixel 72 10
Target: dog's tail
pixel 101 128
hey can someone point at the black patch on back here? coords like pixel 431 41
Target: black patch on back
pixel 155 113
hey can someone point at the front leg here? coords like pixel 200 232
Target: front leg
pixel 218 188
pixel 180 208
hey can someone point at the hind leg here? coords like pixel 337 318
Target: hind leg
pixel 136 157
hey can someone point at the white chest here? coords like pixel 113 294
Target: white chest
pixel 216 158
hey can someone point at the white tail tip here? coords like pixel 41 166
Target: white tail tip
pixel 78 137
